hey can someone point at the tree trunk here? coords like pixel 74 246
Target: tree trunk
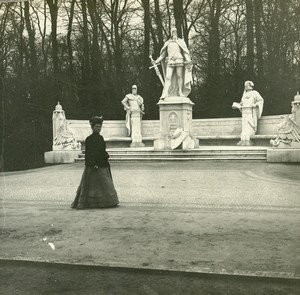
pixel 214 41
pixel 53 7
pixel 213 69
pixel 158 24
pixel 95 44
pixel 69 43
pixel 258 37
pixel 31 35
pixel 22 43
pixel 147 24
pixel 178 15
pixel 95 56
pixel 250 40
pixel 86 59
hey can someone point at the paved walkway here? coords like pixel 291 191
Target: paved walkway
pixel 235 218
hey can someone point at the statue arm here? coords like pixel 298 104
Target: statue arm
pixel 259 104
pixel 258 99
pixel 187 57
pixel 125 104
pixel 161 57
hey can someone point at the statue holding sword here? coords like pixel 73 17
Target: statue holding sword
pixel 176 66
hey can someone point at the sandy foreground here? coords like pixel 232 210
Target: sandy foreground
pixel 248 228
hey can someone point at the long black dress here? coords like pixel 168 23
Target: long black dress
pixel 96 189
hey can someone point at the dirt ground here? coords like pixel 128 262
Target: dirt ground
pixel 216 218
pixel 19 277
pixel 191 240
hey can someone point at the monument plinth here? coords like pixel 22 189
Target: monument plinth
pixel 176 114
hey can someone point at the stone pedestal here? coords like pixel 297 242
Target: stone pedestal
pixel 136 129
pixel 60 157
pixel 175 113
pixel 283 155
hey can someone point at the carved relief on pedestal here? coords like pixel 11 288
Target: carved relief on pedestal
pixel 173 122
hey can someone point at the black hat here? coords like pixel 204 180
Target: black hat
pixel 96 120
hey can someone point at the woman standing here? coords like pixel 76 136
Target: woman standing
pixel 96 189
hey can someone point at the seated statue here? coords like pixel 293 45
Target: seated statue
pixel 64 137
pixel 251 107
pixel 288 131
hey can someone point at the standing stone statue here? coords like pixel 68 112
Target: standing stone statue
pixel 176 66
pixel 134 107
pixel 251 107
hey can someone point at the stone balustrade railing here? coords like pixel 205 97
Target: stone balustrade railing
pixel 202 128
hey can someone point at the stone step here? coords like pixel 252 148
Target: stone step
pixel 203 153
pixel 124 159
pixel 204 140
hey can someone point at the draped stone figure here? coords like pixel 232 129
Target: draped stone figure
pixel 251 107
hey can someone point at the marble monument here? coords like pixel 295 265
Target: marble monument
pixel 174 106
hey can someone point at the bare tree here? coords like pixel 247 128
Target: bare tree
pixel 53 7
pixel 31 35
pixel 250 39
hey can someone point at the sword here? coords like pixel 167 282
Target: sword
pixel 154 65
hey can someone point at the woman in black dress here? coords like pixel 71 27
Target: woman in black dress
pixel 96 189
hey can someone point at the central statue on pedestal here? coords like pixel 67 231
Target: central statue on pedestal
pixel 176 66
pixel 175 108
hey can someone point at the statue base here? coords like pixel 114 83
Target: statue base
pixel 137 144
pixel 69 147
pixel 283 145
pixel 61 157
pixel 283 155
pixel 175 115
pixel 245 143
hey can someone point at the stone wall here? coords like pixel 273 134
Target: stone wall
pixel 267 125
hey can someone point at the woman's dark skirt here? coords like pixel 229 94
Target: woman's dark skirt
pixel 96 189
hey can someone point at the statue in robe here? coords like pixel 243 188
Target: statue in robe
pixel 251 107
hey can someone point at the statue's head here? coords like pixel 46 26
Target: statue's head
pixel 249 85
pixel 96 123
pixel 173 32
pixel 134 89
